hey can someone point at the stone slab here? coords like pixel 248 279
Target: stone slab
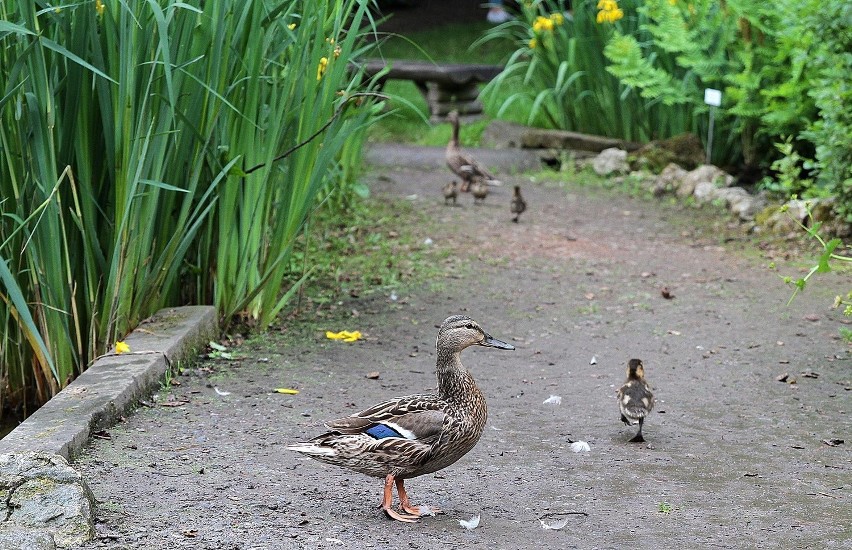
pixel 114 383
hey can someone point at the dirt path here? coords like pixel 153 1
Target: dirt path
pixel 734 458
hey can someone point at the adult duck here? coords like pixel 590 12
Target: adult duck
pixel 410 436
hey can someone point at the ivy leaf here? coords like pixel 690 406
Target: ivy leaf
pixel 824 266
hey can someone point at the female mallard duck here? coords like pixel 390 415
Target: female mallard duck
pixel 518 204
pixel 464 166
pixel 419 434
pixel 635 398
pixel 451 191
pixel 479 190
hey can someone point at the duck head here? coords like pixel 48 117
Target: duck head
pixel 635 369
pixel 460 331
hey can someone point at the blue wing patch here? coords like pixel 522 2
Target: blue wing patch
pixel 380 431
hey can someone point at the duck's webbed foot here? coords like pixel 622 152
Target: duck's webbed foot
pixel 387 503
pixel 406 505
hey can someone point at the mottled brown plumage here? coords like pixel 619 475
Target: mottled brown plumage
pixel 417 434
pixel 635 399
pixel 464 165
pixel 518 204
pixel 479 190
pixel 451 191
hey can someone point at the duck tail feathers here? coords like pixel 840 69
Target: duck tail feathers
pixel 312 449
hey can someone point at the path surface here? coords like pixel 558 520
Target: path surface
pixel 734 458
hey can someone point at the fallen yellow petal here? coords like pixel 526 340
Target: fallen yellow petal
pixel 288 391
pixel 344 335
pixel 121 347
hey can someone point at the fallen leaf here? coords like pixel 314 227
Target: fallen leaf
pixel 344 335
pixel 674 332
pixel 103 434
pixel 782 377
pixel 813 317
pixel 288 391
pixel 666 293
pixel 217 347
pixel 834 442
pixel 190 533
pixel 175 403
pixel 810 374
pixel 552 400
pixel 373 375
pixel 590 296
pixel 471 523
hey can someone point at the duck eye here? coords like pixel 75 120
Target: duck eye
pixel 470 326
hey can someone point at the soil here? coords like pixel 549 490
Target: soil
pixel 734 457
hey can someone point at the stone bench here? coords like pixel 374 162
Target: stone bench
pixel 446 86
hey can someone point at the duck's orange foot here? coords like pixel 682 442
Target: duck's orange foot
pixel 407 518
pixel 406 505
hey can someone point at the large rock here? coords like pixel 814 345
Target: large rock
pixel 704 173
pixel 684 150
pixel 25 540
pixel 42 494
pixel 668 180
pixel 611 161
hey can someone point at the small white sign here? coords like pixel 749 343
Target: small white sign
pixel 713 97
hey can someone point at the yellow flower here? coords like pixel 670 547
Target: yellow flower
pixel 533 43
pixel 99 7
pixel 557 18
pixel 609 12
pixel 121 347
pixel 542 24
pixel 292 26
pixel 337 51
pixel 323 63
pixel 344 335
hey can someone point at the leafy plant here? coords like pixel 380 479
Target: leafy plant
pixel 156 153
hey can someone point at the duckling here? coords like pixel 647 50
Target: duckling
pixel 635 399
pixel 518 204
pixel 451 191
pixel 479 190
pixel 410 436
pixel 463 165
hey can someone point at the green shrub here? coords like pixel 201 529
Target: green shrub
pixel 128 134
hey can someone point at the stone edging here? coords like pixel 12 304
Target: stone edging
pixel 39 447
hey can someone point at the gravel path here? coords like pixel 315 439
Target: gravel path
pixel 733 459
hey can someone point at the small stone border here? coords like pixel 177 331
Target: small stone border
pixel 710 184
pixel 46 504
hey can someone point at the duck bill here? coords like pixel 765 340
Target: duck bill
pixel 492 342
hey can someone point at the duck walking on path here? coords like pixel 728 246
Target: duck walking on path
pixel 518 204
pixel 479 190
pixel 464 165
pixel 635 399
pixel 417 434
pixel 451 191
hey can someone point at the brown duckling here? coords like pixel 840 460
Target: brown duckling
pixel 635 399
pixel 479 190
pixel 464 165
pixel 451 191
pixel 518 204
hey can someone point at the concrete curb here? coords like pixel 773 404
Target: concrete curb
pixel 114 383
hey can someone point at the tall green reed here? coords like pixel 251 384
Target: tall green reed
pixel 128 128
